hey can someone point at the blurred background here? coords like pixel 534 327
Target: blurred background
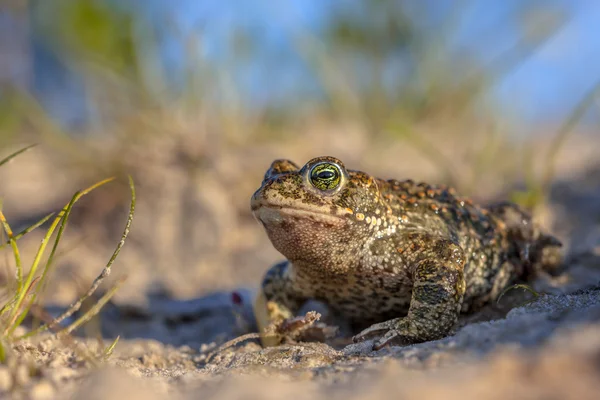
pixel 194 99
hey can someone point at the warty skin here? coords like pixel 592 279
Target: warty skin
pixel 400 260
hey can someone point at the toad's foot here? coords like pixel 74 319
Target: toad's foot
pixel 386 332
pixel 394 331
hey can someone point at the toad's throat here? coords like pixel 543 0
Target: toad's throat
pixel 269 213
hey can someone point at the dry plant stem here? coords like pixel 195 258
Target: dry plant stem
pixel 232 343
pixel 73 308
pixel 13 244
pixel 93 310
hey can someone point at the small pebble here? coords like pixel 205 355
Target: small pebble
pixel 6 379
pixel 22 376
pixel 42 390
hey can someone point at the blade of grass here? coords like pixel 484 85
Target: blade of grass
pixel 8 286
pixel 9 305
pixel 109 350
pixel 29 229
pixel 50 260
pixel 73 308
pixel 518 286
pixel 21 295
pixel 15 249
pixel 16 153
pixel 23 314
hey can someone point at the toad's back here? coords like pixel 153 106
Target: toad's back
pixel 500 242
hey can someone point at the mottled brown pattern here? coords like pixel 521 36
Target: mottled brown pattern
pixel 406 257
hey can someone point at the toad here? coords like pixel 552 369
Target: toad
pixel 399 260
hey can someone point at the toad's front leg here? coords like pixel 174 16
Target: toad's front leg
pixel 437 296
pixel 279 299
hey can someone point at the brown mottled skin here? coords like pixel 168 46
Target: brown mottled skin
pixel 406 257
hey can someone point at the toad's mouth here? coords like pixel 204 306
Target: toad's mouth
pixel 269 213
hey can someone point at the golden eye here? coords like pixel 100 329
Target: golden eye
pixel 325 176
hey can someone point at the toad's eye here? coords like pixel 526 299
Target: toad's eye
pixel 325 176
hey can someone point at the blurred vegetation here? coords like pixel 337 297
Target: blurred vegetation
pixel 384 65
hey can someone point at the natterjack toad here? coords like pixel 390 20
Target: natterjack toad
pixel 399 257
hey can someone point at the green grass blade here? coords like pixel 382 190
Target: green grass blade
pixel 15 248
pixel 25 311
pixel 64 212
pixel 49 262
pixel 15 316
pixel 105 273
pixel 109 350
pixel 7 306
pixel 16 153
pixel 29 229
pixel 21 295
pixel 517 286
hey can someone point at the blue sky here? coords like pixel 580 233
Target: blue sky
pixel 564 69
pixel 546 85
pixel 544 88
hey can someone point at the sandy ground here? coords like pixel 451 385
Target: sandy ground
pixel 194 243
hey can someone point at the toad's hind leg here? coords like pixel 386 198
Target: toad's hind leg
pixel 436 300
pixel 277 300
